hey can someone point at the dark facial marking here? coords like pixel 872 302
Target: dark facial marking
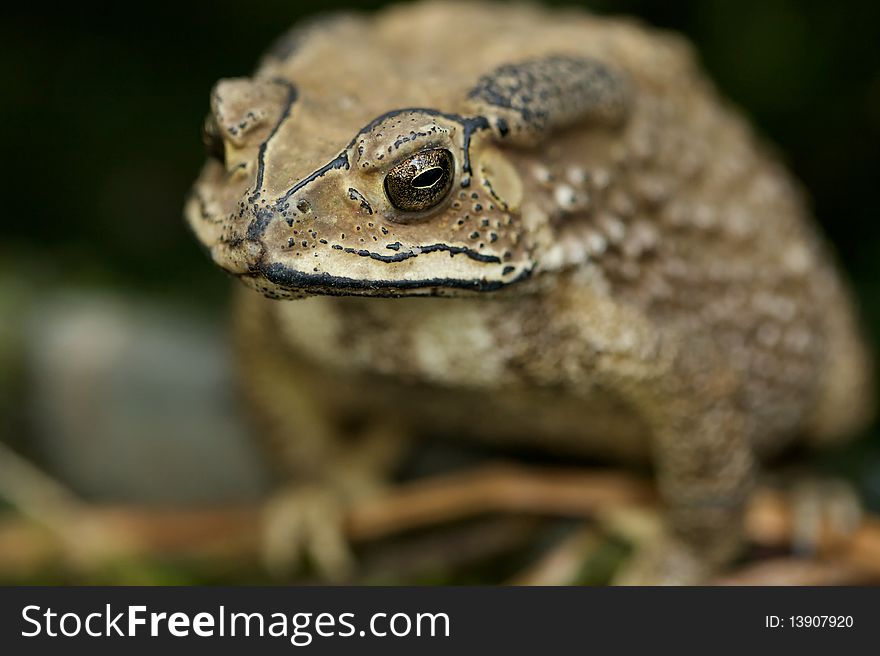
pixel 261 154
pixel 354 194
pixel 324 283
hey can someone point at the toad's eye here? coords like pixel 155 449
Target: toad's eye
pixel 212 140
pixel 420 182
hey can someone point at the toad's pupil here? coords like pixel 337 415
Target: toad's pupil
pixel 427 178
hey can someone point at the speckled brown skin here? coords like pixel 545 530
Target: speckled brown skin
pixel 631 272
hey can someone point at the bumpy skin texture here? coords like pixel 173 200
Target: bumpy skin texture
pixel 631 273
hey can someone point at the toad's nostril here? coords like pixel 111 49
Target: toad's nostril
pixel 212 141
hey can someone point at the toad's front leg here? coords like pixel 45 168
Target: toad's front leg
pixel 304 519
pixel 700 438
pixel 705 469
pixel 324 461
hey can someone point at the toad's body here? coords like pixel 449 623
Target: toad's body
pixel 630 272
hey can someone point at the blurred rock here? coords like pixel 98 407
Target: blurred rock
pixel 135 403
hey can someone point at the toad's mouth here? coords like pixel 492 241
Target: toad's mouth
pixel 289 281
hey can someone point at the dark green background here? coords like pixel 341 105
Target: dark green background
pixel 102 105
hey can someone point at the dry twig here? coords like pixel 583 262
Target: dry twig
pixel 800 571
pixel 222 534
pixel 561 564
